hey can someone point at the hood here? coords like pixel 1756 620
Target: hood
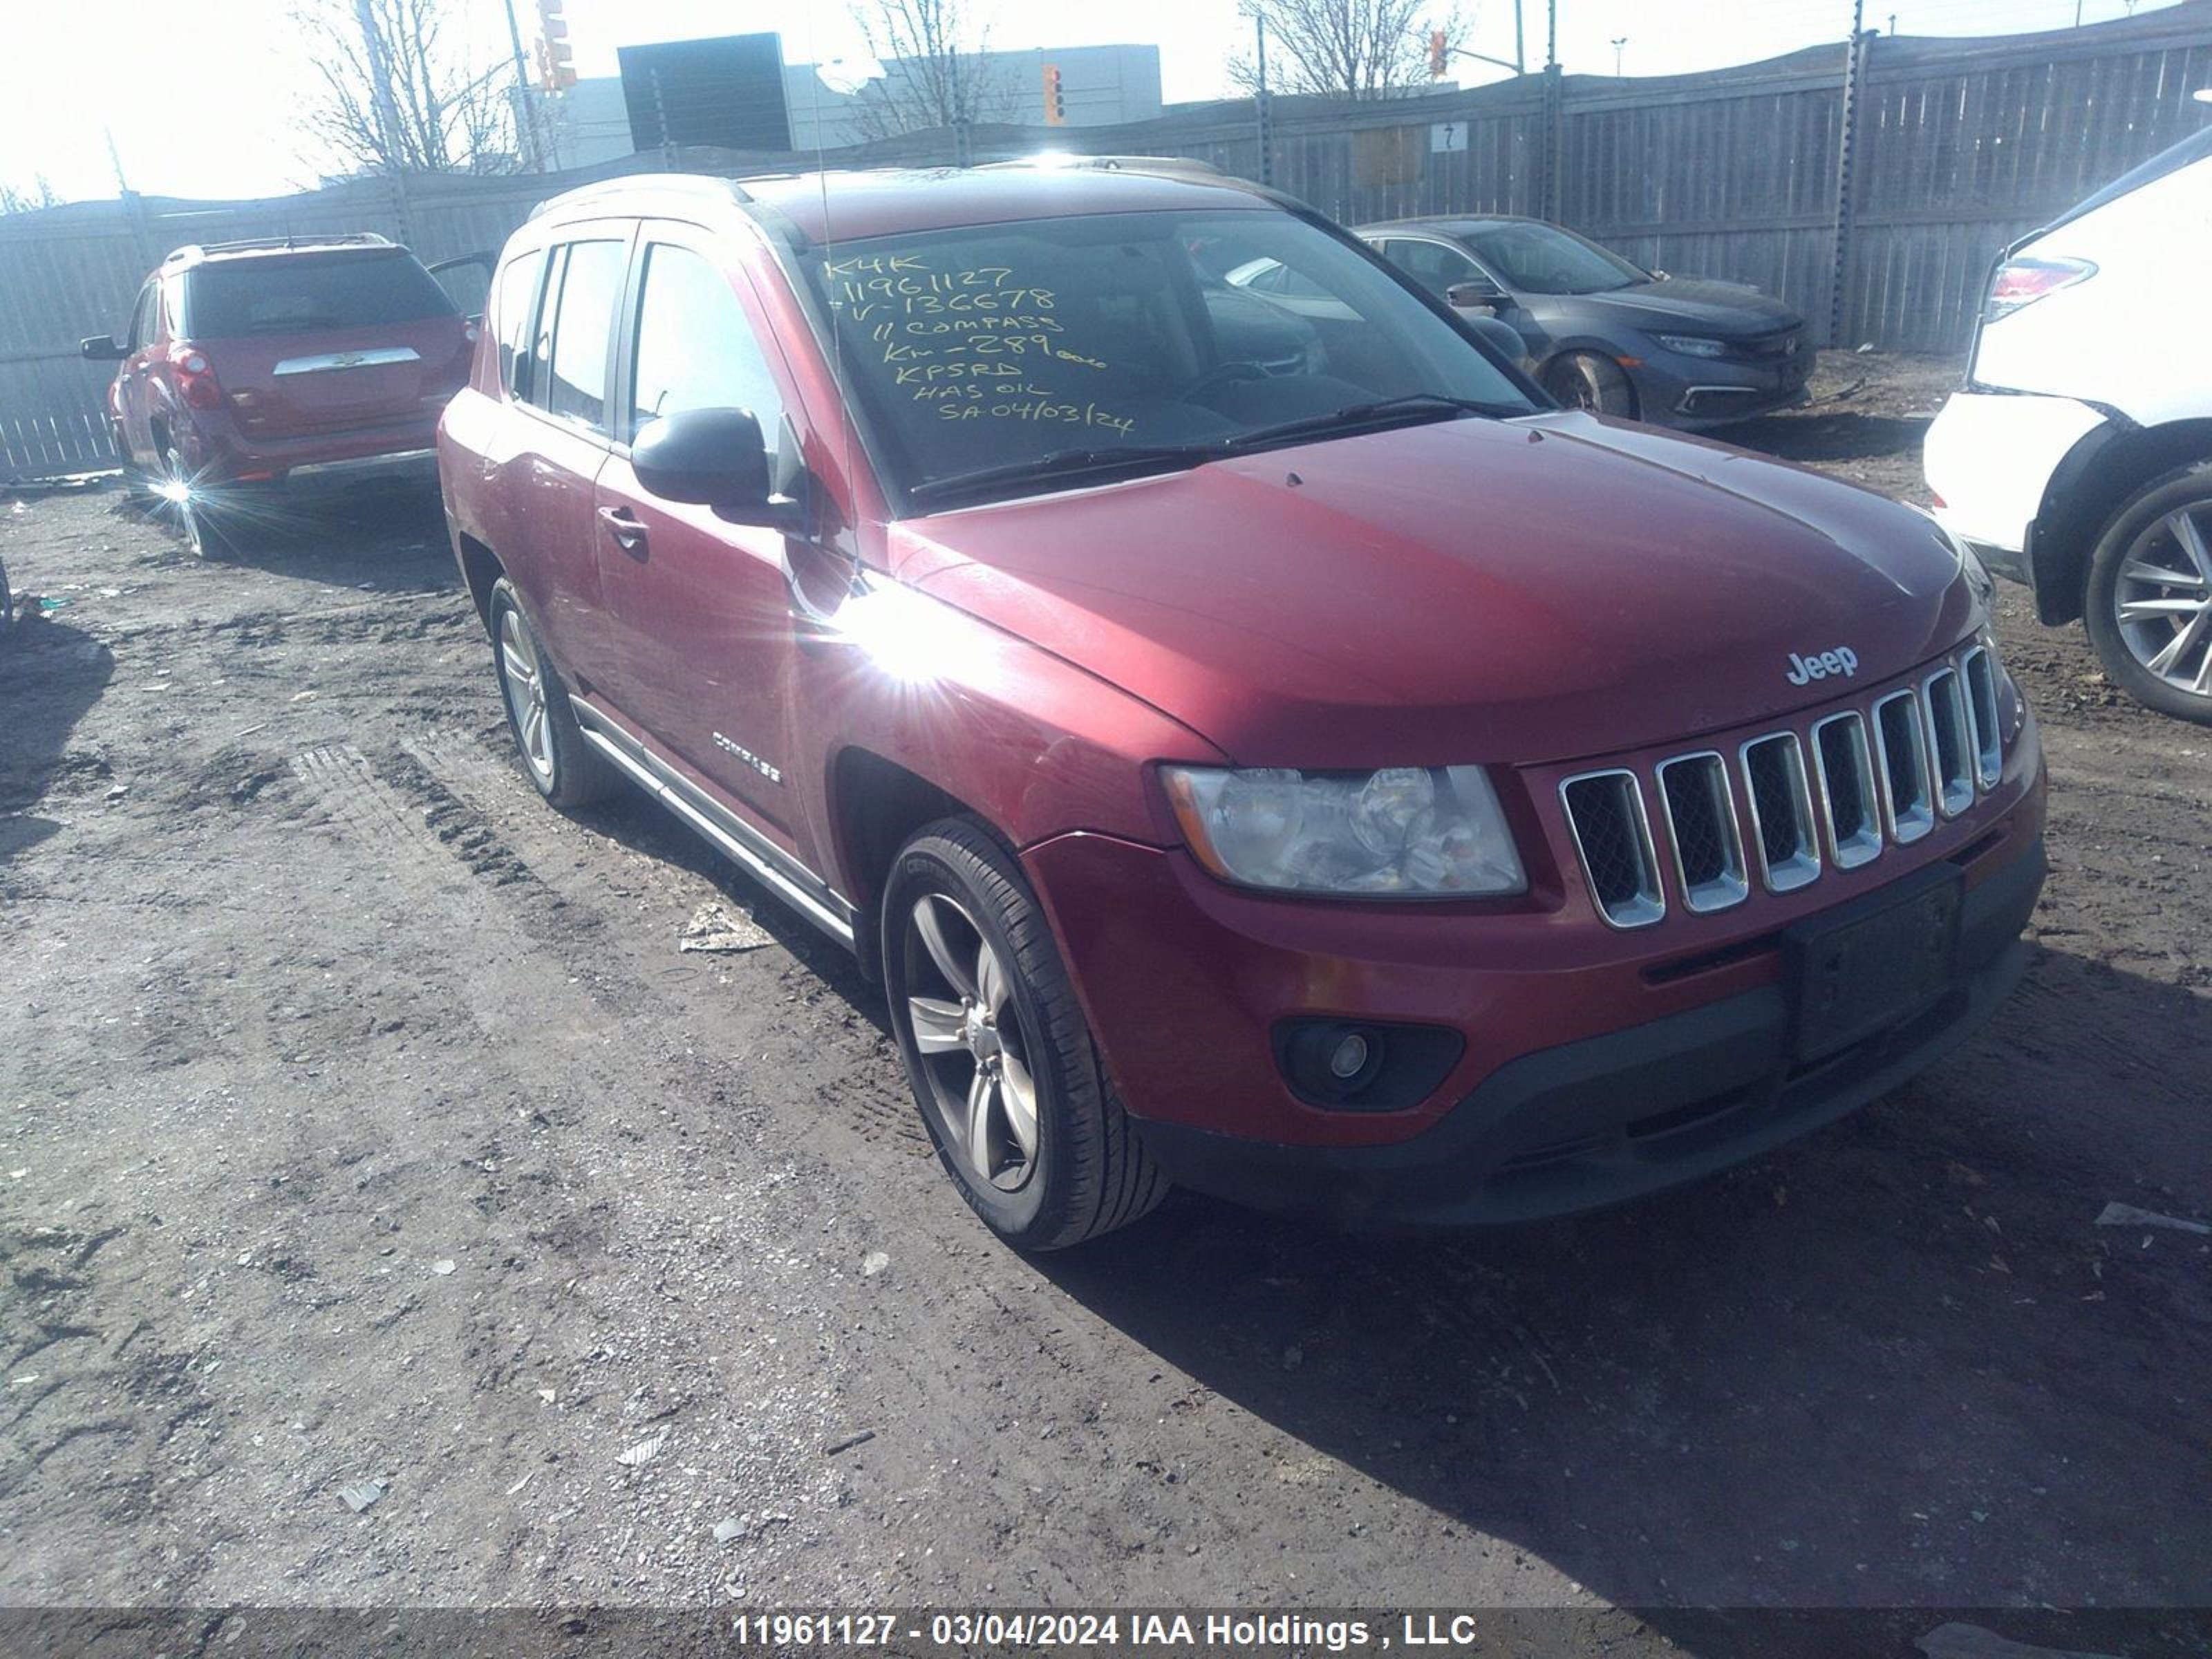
pixel 1471 590
pixel 1721 308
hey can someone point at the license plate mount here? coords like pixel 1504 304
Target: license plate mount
pixel 1862 972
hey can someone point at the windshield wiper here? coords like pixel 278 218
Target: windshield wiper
pixel 1413 403
pixel 1066 464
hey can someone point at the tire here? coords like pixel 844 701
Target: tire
pixel 1583 379
pixel 2154 636
pixel 203 535
pixel 560 763
pixel 1010 1016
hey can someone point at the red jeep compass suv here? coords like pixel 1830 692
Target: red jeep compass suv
pixel 1327 776
pixel 251 362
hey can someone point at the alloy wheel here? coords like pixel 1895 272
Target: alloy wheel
pixel 523 680
pixel 973 1045
pixel 2162 602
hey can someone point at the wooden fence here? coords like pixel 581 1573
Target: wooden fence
pixel 1958 148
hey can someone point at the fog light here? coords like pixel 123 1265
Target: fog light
pixel 1366 1066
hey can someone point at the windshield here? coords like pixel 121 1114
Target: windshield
pixel 292 296
pixel 1017 350
pixel 1534 258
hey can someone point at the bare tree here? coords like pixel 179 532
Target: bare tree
pixel 1345 48
pixel 41 194
pixel 936 73
pixel 451 101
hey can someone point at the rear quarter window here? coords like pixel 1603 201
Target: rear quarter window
pixel 514 314
pixel 250 297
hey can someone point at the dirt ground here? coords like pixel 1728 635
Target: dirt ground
pixel 360 1121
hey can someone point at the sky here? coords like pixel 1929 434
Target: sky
pixel 199 95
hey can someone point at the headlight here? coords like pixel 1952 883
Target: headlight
pixel 1405 832
pixel 1692 345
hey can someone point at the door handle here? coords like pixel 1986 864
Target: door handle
pixel 627 529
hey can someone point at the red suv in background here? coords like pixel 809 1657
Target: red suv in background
pixel 262 361
pixel 1332 778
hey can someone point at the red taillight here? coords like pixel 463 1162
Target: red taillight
pixel 2023 281
pixel 195 378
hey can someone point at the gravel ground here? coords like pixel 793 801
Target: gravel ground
pixel 360 1121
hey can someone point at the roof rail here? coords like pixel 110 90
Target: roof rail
pixel 248 245
pixel 725 190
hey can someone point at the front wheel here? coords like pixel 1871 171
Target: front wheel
pixel 2149 602
pixel 1583 379
pixel 998 1051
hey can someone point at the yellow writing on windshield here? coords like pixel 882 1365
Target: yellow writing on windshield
pixel 973 339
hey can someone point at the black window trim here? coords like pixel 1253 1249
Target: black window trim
pixel 702 240
pixel 558 244
pixel 1438 239
pixel 535 306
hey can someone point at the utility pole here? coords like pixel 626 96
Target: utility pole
pixel 379 76
pixel 115 161
pixel 1846 144
pixel 1260 100
pixel 1520 44
pixel 525 116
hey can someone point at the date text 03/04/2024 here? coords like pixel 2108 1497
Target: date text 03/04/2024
pixel 1041 1629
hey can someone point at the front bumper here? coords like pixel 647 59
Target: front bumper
pixel 1566 1028
pixel 1613 1117
pixel 1693 392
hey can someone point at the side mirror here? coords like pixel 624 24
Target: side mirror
pixel 1501 338
pixel 102 349
pixel 715 456
pixel 1474 295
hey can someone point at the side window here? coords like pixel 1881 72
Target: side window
pixel 591 282
pixel 696 347
pixel 141 318
pixel 1431 265
pixel 516 312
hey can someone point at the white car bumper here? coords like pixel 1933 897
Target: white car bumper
pixel 1990 458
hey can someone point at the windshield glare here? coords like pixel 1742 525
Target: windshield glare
pixel 1545 259
pixel 990 346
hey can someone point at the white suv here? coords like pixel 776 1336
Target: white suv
pixel 2079 456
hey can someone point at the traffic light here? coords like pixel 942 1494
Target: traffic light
pixel 1438 53
pixel 556 63
pixel 1056 101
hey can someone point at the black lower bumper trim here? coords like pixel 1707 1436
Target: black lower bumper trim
pixel 1616 1116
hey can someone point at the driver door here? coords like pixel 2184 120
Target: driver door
pixel 703 640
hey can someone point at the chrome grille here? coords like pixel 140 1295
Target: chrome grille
pixel 1613 838
pixel 1834 797
pixel 1847 790
pixel 1701 829
pixel 1901 750
pixel 1982 709
pixel 1782 811
pixel 1949 741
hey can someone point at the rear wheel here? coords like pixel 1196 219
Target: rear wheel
pixel 2149 602
pixel 177 491
pixel 555 755
pixel 998 1051
pixel 1583 379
